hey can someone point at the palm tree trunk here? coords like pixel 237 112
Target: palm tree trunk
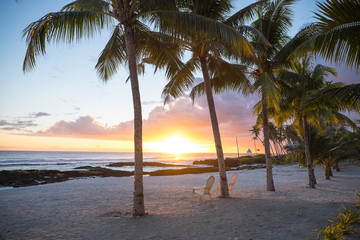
pixel 309 162
pixel 275 147
pixel 255 147
pixel 313 172
pixel 224 190
pixel 269 177
pixel 138 204
pixel 327 169
pixel 336 167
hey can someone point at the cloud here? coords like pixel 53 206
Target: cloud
pixel 16 125
pixel 180 117
pixel 37 115
pixel 40 114
pixel 85 127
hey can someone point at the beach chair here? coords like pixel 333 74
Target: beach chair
pixel 231 184
pixel 204 191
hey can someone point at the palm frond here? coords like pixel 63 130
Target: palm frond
pixel 180 81
pixel 60 27
pixel 345 97
pixel 296 47
pixel 191 26
pixel 244 14
pixel 276 21
pixel 267 86
pixel 163 52
pixel 225 77
pixel 337 37
pixel 113 55
pixel 98 6
pixel 320 72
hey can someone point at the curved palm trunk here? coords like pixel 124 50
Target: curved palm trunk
pixel 327 170
pixel 336 167
pixel 255 147
pixel 309 162
pixel 224 190
pixel 269 177
pixel 138 204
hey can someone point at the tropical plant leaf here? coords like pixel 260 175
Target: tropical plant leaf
pixel 60 27
pixel 113 55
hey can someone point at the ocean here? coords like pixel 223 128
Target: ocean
pixel 67 161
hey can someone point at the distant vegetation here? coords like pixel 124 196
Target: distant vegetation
pixel 244 160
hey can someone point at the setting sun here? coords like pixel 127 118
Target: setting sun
pixel 177 145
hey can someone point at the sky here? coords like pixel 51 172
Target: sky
pixel 62 105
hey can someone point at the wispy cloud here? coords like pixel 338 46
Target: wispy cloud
pixel 40 114
pixel 16 125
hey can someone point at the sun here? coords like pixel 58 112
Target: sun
pixel 177 145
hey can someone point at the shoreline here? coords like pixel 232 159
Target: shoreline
pixel 25 178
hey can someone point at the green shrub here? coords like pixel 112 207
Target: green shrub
pixel 343 225
pixel 330 233
pixel 357 201
pixel 347 218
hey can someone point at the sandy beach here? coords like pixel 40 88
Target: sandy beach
pixel 100 208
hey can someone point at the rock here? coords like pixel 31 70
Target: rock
pixel 145 164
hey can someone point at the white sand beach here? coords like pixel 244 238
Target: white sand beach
pixel 100 208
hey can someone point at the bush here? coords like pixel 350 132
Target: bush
pixel 343 225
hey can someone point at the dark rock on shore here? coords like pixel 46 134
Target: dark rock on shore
pixel 169 172
pixel 250 167
pixel 145 164
pixel 233 162
pixel 19 178
pixel 22 178
pixel 198 170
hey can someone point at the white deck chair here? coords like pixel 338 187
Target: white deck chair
pixel 231 184
pixel 203 191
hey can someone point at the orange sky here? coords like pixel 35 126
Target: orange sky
pixel 180 123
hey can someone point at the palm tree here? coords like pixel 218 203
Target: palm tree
pixel 208 55
pixel 274 19
pixel 272 51
pixel 131 41
pixel 298 85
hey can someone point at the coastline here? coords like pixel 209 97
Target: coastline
pixel 23 178
pixel 100 208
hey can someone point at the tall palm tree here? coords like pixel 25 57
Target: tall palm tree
pixel 274 19
pixel 131 41
pixel 272 50
pixel 208 54
pixel 298 85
